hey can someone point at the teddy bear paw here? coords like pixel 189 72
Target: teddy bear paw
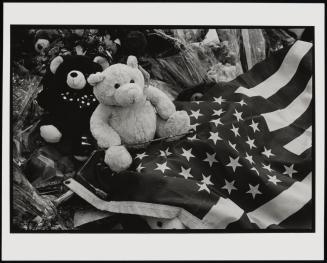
pixel 118 158
pixel 50 133
pixel 103 143
pixel 106 142
pixel 166 110
pixel 178 123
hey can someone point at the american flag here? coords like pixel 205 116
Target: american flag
pixel 248 164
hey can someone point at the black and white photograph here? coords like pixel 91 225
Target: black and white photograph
pixel 162 129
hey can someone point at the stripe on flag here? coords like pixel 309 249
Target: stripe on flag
pixel 301 143
pixel 284 205
pixel 128 207
pixel 222 214
pixel 283 75
pixel 281 118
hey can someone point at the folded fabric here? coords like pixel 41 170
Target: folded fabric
pixel 248 165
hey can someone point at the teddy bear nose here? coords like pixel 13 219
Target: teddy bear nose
pixel 39 47
pixel 73 74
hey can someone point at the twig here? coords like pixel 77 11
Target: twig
pixel 28 128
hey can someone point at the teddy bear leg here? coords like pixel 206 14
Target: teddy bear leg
pixel 177 123
pixel 118 158
pixel 50 133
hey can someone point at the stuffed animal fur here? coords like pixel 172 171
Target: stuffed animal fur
pixel 43 39
pixel 130 113
pixel 68 100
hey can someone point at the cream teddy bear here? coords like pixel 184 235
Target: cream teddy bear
pixel 130 112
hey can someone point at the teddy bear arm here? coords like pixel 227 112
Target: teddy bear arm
pixel 164 106
pixel 105 135
pixel 50 131
pixel 47 99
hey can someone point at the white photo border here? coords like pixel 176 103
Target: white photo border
pixel 221 246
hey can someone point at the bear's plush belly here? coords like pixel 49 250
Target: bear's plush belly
pixel 135 124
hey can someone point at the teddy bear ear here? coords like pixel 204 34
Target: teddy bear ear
pixel 103 62
pixel 96 78
pixel 55 63
pixel 132 61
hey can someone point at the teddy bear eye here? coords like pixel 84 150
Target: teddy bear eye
pixel 196 96
pixel 132 81
pixel 117 86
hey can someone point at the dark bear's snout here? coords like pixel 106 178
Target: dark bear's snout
pixel 73 74
pixel 76 79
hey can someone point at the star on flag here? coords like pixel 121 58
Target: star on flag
pixel 139 168
pixel 210 159
pixel 267 167
pixel 251 143
pixel 141 155
pixel 162 167
pixel 273 179
pixel 254 126
pixel 196 114
pixel 219 100
pixel 165 152
pixel 234 163
pixel 235 131
pixel 267 153
pixel 206 180
pixel 217 112
pixel 232 145
pixel 254 190
pixel 214 137
pixel 289 170
pixel 249 158
pixel 238 115
pixel 242 102
pixel 187 154
pixel 186 173
pixel 193 126
pixel 229 186
pixel 203 187
pixel 255 169
pixel 216 122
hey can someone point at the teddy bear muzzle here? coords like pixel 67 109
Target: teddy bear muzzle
pixel 41 45
pixel 76 79
pixel 129 94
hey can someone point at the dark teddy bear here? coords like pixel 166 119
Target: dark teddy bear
pixel 68 99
